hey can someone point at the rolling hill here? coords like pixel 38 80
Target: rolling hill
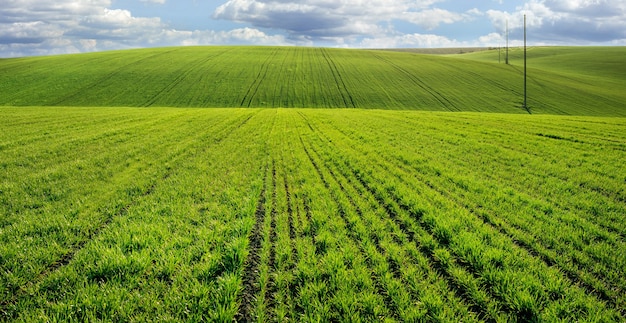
pixel 110 211
pixel 575 81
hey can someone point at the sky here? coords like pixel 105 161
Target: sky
pixel 44 27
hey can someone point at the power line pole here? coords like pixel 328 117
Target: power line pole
pixel 500 51
pixel 507 42
pixel 525 94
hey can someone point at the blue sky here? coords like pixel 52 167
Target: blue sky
pixel 44 27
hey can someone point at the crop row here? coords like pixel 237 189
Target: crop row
pixel 446 192
pixel 114 232
pixel 310 215
pixel 299 77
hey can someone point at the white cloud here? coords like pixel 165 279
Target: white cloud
pixel 594 8
pixel 566 21
pixel 432 41
pixel 339 19
pixel 39 27
pixel 50 11
pixel 235 36
pixel 28 32
pixel 432 18
pixel 411 40
pixel 119 21
pixel 492 40
pixel 350 21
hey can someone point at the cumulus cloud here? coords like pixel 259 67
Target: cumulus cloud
pixel 28 32
pixel 13 11
pixel 41 27
pixel 566 21
pixel 338 19
pixel 411 40
pixel 230 37
pixel 432 18
pixel 358 22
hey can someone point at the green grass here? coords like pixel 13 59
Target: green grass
pixel 171 214
pixel 125 214
pixel 601 62
pixel 596 72
pixel 572 81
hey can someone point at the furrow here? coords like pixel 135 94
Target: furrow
pixel 67 257
pixel 181 76
pixel 434 93
pixel 271 282
pixel 292 221
pixel 353 205
pixel 103 79
pixel 339 82
pixel 251 288
pixel 532 244
pixel 588 288
pixel 592 284
pixel 256 84
pixel 393 208
pixel 391 217
pixel 357 241
pixel 312 231
pixel 290 213
pixel 526 242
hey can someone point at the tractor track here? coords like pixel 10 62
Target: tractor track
pixel 251 265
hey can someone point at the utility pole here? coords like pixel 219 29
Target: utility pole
pixel 525 94
pixel 507 42
pixel 500 51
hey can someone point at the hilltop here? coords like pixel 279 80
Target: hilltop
pixel 575 81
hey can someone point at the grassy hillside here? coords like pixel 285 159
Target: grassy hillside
pixel 317 78
pixel 601 62
pixel 596 73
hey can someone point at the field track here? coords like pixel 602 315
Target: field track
pixel 122 214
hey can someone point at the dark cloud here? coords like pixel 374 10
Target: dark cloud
pixel 580 30
pixel 335 19
pixel 21 40
pixel 298 22
pixel 49 11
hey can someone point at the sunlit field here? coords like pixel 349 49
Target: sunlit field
pixel 128 214
pixel 313 185
pixel 578 81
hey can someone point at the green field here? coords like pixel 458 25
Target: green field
pixel 321 78
pixel 343 208
pixel 125 214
